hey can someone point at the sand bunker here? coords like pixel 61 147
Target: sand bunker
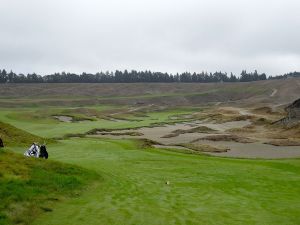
pixel 160 134
pixel 66 119
pixel 222 127
pixel 165 136
pixel 255 150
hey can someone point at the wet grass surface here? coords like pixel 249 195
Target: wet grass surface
pixel 31 187
pixel 104 181
pixel 43 124
pixel 202 190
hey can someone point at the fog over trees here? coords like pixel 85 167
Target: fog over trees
pixel 134 76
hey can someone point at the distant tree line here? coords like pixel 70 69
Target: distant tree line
pixel 134 76
pixel 284 76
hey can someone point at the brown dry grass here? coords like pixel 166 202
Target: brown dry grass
pixel 199 129
pixel 219 116
pixel 167 94
pixel 283 142
pixel 263 110
pixel 262 121
pixel 247 129
pixel 204 148
pixel 226 137
pixel 128 133
pixel 144 143
pixel 266 110
pixel 286 132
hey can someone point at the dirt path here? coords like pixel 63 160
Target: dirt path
pixel 274 92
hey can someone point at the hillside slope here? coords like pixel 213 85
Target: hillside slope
pixel 12 136
pixel 175 94
pixel 30 187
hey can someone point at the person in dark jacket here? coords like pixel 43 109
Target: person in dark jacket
pixel 1 143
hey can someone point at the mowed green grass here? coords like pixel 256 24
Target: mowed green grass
pixel 202 190
pixel 30 187
pixel 131 187
pixel 43 124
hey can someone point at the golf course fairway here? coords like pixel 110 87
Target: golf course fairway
pixel 149 154
pixel 201 190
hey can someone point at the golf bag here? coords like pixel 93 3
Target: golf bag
pixel 33 151
pixel 1 143
pixel 43 152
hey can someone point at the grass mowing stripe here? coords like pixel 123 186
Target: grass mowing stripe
pixel 202 190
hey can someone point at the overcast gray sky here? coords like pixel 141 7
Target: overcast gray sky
pixel 46 36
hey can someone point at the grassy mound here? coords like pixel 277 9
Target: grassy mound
pixel 284 142
pixel 203 147
pixel 220 116
pixel 29 187
pixel 226 137
pixel 199 129
pixel 13 136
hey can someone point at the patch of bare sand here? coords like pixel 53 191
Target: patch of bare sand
pixel 228 148
pixel 254 150
pixel 67 119
pixel 226 137
pixel 222 127
pixel 158 134
pixel 283 142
